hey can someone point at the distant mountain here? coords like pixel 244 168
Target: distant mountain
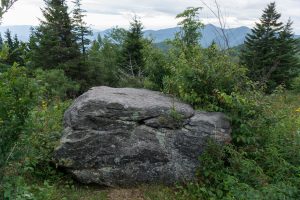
pixel 23 31
pixel 210 33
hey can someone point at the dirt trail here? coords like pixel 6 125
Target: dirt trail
pixel 125 194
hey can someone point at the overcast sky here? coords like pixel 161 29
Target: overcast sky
pixel 157 14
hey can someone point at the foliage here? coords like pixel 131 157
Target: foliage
pixel 81 30
pixel 199 80
pixel 266 169
pixel 296 84
pixel 190 27
pixel 18 94
pixel 270 51
pixel 55 43
pixel 33 153
pixel 5 5
pixel 155 66
pixel 103 59
pixel 30 174
pixel 54 84
pixel 12 50
pixel 16 188
pixel 44 128
pixel 132 61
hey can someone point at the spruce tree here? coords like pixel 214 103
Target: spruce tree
pixel 56 45
pixel 132 62
pixel 8 39
pixel 81 30
pixel 1 41
pixel 288 59
pixel 270 50
pixel 14 49
pixel 5 5
pixel 16 42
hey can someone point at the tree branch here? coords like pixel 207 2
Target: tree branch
pixel 5 6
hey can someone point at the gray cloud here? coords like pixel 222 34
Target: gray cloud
pixel 159 13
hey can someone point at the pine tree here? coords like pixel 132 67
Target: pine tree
pixel 56 45
pixel 14 49
pixel 5 5
pixel 16 42
pixel 81 30
pixel 269 50
pixel 132 62
pixel 288 60
pixel 8 39
pixel 1 41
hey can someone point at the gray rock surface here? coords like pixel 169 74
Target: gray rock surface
pixel 125 136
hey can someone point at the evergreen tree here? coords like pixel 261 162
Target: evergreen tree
pixel 5 5
pixel 270 50
pixel 288 60
pixel 8 39
pixel 17 51
pixel 132 62
pixel 14 49
pixel 31 46
pixel 1 41
pixel 56 45
pixel 16 42
pixel 81 30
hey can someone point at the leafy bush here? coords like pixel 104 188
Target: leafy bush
pixel 155 67
pixel 55 84
pixel 296 84
pixel 16 188
pixel 18 95
pixel 265 169
pixel 103 60
pixel 44 127
pixel 197 78
pixel 30 174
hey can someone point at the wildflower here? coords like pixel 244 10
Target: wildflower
pixel 298 110
pixel 44 105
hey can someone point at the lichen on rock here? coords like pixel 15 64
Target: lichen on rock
pixel 126 136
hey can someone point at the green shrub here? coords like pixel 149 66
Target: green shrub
pixel 55 84
pixel 155 67
pixel 30 175
pixel 44 127
pixel 196 78
pixel 18 95
pixel 267 168
pixel 16 188
pixel 296 84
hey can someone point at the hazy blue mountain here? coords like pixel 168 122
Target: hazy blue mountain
pixel 23 31
pixel 210 33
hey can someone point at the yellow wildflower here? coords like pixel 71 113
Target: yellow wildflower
pixel 44 105
pixel 298 110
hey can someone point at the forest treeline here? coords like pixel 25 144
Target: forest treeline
pixel 257 86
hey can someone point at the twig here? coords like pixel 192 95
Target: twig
pixel 11 152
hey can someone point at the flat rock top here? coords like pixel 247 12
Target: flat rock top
pixel 130 98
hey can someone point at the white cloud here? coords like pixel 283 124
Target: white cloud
pixel 157 14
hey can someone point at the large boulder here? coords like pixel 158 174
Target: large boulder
pixel 125 136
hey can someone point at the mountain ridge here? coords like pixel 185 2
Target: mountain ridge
pixel 210 33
